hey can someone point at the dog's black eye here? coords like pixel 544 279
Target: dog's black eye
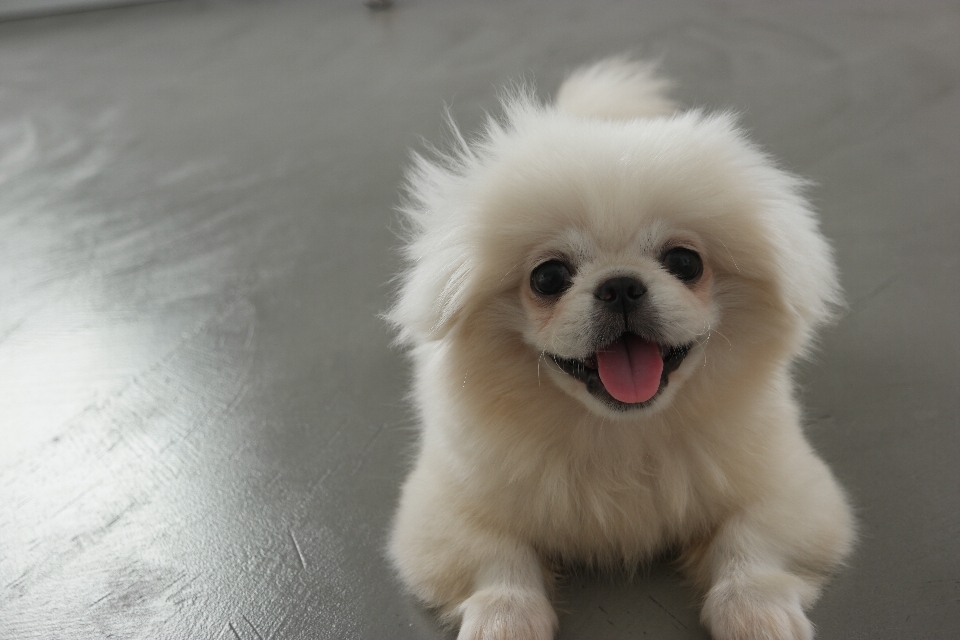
pixel 550 278
pixel 683 263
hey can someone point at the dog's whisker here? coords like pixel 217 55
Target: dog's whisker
pixel 510 270
pixel 732 259
pixel 703 349
pixel 719 333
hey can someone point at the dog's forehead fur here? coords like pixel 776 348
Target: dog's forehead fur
pixel 608 188
pixel 541 177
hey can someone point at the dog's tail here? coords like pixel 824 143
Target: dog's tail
pixel 616 89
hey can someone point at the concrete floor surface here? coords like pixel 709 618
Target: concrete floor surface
pixel 202 424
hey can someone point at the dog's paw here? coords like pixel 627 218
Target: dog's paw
pixel 765 608
pixel 507 614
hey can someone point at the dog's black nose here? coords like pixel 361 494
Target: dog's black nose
pixel 621 293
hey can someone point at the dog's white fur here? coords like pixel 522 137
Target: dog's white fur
pixel 520 469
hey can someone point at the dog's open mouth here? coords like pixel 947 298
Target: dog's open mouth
pixel 629 372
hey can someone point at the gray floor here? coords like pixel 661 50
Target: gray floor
pixel 202 422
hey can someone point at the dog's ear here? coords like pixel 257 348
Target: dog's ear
pixel 808 282
pixel 794 250
pixel 443 225
pixel 436 284
pixel 433 289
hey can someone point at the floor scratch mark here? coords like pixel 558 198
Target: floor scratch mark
pixel 675 618
pixel 296 545
pixel 236 635
pixel 252 626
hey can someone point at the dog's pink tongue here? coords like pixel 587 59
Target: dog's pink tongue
pixel 630 368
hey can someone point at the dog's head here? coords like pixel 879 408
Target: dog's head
pixel 627 255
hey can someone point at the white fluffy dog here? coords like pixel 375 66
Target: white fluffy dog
pixel 603 300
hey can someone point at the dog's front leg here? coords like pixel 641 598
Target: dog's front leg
pixel 486 578
pixel 758 600
pixel 510 598
pixel 766 563
pixel 493 584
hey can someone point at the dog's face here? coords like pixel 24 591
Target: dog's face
pixel 615 319
pixel 617 250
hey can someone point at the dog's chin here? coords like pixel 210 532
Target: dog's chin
pixel 580 378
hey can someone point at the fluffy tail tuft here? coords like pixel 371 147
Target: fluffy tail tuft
pixel 616 89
